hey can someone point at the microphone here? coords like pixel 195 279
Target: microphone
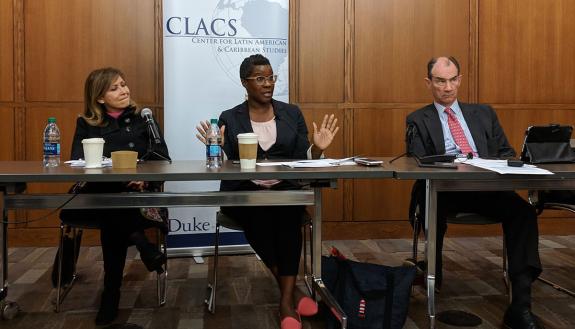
pixel 409 135
pixel 148 116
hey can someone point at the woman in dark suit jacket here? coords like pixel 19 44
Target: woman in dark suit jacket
pixel 111 114
pixel 273 232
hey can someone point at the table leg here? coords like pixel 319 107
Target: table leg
pixel 8 309
pixel 4 249
pixel 431 234
pixel 318 285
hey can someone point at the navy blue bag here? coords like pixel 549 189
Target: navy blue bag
pixel 372 296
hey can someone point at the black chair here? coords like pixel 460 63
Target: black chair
pixel 541 201
pixel 230 223
pixel 75 227
pixel 458 218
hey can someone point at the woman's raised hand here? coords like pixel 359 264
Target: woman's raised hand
pixel 323 137
pixel 203 128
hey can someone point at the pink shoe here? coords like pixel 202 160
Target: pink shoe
pixel 290 323
pixel 307 306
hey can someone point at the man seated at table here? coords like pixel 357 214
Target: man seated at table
pixel 450 127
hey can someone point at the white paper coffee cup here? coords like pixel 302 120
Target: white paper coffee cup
pixel 248 147
pixel 93 150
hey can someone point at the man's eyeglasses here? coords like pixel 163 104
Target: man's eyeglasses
pixel 261 80
pixel 442 82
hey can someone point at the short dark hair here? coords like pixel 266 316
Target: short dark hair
pixel 433 60
pixel 247 66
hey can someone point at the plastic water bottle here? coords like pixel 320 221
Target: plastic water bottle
pixel 213 145
pixel 51 144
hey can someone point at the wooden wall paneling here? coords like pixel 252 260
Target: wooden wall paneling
pixel 473 65
pixel 66 39
pixel 381 200
pixel 7 53
pixel 321 51
pixel 36 119
pixel 293 51
pixel 349 29
pixel 348 184
pixel 332 198
pixel 18 50
pixel 7 133
pixel 19 133
pixel 159 51
pixel 526 51
pixel 395 39
pixel 380 132
pixel 358 230
pixel 47 237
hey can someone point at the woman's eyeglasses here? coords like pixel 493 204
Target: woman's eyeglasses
pixel 261 80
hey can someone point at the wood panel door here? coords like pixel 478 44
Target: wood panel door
pixel 526 51
pixel 7 53
pixel 66 39
pixel 393 41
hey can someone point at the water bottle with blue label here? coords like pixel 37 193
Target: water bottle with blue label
pixel 213 145
pixel 51 144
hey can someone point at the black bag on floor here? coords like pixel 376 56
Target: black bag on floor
pixel 371 295
pixel 70 252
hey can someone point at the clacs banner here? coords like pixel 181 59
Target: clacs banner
pixel 204 45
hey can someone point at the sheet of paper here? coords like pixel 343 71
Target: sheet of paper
pixel 318 163
pixel 106 162
pixel 501 167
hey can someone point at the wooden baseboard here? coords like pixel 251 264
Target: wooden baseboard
pixel 402 229
pixel 46 237
pixel 43 237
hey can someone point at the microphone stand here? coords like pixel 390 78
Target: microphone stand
pixel 400 156
pixel 409 135
pixel 151 151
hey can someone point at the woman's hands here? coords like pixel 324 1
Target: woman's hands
pixel 323 137
pixel 203 128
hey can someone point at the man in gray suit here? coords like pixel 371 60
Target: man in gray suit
pixel 450 127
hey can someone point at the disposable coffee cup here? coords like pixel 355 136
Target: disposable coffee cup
pixel 93 150
pixel 124 159
pixel 248 145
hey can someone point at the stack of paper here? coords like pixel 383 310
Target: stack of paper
pixel 106 162
pixel 500 166
pixel 319 163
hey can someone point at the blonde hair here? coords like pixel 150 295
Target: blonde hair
pixel 97 84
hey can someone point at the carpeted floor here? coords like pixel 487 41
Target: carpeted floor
pixel 247 297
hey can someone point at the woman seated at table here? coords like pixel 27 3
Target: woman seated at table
pixel 273 232
pixel 110 113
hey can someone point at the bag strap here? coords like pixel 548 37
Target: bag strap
pixel 388 301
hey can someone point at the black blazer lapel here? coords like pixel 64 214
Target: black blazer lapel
pixel 284 126
pixel 433 125
pixel 473 121
pixel 243 117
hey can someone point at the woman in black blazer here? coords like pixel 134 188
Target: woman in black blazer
pixel 111 114
pixel 273 232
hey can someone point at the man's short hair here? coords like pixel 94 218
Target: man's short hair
pixel 433 60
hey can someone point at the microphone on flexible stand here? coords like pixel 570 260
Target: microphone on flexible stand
pixel 152 127
pixel 409 135
pixel 154 136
